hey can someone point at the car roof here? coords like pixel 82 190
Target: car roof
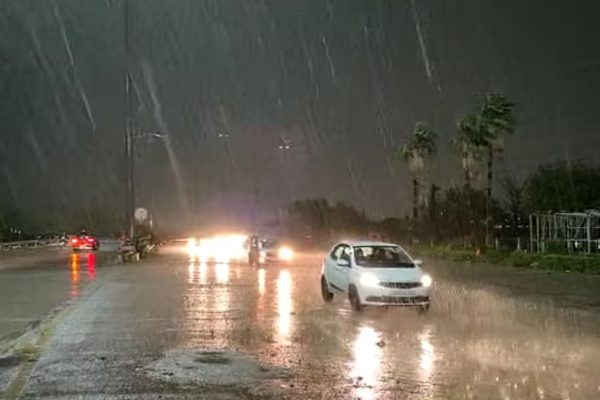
pixel 358 243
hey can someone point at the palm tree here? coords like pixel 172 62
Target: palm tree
pixel 468 141
pixel 482 135
pixel 415 151
pixel 497 120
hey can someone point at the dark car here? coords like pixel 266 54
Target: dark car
pixel 263 251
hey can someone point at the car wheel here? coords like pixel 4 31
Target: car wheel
pixel 325 293
pixel 423 309
pixel 354 299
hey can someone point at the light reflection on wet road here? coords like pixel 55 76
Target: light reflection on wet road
pixel 28 294
pixel 89 263
pixel 476 342
pixel 284 305
pixel 366 363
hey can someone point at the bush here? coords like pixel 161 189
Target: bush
pixel 496 256
pixel 446 253
pixel 554 262
pixel 520 259
pixel 577 263
pixel 463 255
pixel 556 247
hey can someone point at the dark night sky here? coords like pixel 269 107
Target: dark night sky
pixel 341 81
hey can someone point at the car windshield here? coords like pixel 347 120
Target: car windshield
pixel 382 257
pixel 269 244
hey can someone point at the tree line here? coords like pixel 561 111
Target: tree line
pixel 466 213
pixel 479 138
pixel 458 214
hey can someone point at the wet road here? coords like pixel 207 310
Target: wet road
pixel 36 281
pixel 28 295
pixel 169 327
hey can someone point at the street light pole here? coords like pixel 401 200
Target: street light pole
pixel 284 149
pixel 129 161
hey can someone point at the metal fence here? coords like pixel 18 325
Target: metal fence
pixel 571 232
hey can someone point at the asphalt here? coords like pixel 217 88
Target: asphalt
pixel 168 327
pixel 33 282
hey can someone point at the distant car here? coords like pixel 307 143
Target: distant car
pixel 225 248
pixel 375 274
pixel 84 242
pixel 264 251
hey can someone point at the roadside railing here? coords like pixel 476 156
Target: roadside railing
pixel 35 243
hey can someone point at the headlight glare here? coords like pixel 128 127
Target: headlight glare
pixel 286 254
pixel 368 279
pixel 426 280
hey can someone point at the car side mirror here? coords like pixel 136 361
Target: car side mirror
pixel 343 262
pixel 418 263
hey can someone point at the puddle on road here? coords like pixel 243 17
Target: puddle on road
pixel 217 367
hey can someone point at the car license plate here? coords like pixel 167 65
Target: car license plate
pixel 404 293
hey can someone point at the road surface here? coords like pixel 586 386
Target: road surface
pixel 169 327
pixel 33 282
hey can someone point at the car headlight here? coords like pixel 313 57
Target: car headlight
pixel 426 280
pixel 368 279
pixel 285 253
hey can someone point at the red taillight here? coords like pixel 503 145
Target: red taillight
pixel 74 241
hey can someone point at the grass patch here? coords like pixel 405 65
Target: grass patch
pixel 583 263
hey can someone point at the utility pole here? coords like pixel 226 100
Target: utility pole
pixel 284 149
pixel 129 161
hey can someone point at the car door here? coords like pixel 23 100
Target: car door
pixel 330 264
pixel 337 274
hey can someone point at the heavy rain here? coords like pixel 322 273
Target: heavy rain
pixel 299 199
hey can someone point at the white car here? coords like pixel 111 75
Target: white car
pixel 375 274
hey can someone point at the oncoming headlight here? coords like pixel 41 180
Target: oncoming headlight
pixel 368 279
pixel 426 280
pixel 285 253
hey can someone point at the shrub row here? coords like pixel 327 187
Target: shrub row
pixel 556 262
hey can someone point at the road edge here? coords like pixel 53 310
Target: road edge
pixel 29 346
